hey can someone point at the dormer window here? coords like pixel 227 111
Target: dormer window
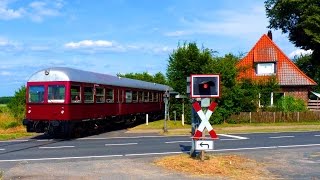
pixel 263 69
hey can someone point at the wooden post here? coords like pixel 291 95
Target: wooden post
pixel 274 117
pixel 250 116
pixel 298 116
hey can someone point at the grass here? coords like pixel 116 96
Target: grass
pixel 10 128
pixel 217 166
pixel 178 129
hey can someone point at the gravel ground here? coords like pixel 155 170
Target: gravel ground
pixel 133 168
pixel 298 163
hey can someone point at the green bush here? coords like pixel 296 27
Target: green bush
pixel 291 104
pixel 17 103
pixel 4 109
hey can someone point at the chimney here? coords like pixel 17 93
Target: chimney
pixel 270 34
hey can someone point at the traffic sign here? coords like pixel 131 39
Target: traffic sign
pixel 204 120
pixel 204 145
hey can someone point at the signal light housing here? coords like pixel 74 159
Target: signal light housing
pixel 205 85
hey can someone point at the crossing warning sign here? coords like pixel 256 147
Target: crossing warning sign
pixel 204 120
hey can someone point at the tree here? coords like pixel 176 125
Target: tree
pixel 159 78
pixel 145 76
pixel 5 100
pixel 299 18
pixel 186 60
pixel 18 103
pixel 304 63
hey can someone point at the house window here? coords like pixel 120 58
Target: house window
pixel 265 68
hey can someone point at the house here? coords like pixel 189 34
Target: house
pixel 266 59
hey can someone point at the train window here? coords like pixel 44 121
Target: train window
pixel 36 94
pixel 140 96
pixel 146 96
pixel 56 93
pixel 75 94
pixel 128 96
pixel 88 94
pixel 109 95
pixel 155 97
pixel 151 96
pixel 100 95
pixel 134 96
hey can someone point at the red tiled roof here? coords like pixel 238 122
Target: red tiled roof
pixel 265 50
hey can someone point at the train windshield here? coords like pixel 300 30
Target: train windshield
pixel 56 93
pixel 36 94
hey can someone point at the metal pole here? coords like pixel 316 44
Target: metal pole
pixel 147 119
pixel 166 96
pixel 182 118
pixel 193 128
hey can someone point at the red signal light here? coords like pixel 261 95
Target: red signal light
pixel 205 85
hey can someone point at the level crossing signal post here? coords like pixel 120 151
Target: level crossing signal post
pixel 201 88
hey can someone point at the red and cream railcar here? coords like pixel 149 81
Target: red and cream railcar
pixel 61 100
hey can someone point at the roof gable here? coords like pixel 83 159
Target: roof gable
pixel 266 51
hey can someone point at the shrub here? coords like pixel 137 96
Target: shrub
pixel 291 104
pixel 18 103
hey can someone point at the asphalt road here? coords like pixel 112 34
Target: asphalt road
pixel 133 145
pixel 120 155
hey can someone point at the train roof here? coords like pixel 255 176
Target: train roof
pixel 76 75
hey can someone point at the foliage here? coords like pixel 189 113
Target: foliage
pixel 304 63
pixel 5 100
pixel 18 103
pixel 236 96
pixel 186 60
pixel 291 104
pixel 145 76
pixel 299 18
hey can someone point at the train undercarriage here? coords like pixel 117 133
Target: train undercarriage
pixel 85 127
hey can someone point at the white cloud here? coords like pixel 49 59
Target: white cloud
pixel 299 52
pixel 36 10
pixel 9 46
pixel 8 13
pixel 225 22
pixel 176 33
pixel 41 9
pixel 88 43
pixel 5 73
pixel 161 50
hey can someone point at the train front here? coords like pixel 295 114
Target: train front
pixel 46 102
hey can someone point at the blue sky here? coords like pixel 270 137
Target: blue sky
pixel 121 36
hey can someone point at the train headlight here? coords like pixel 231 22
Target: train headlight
pixel 29 111
pixel 62 111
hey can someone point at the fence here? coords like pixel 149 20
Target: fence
pixel 314 105
pixel 274 117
